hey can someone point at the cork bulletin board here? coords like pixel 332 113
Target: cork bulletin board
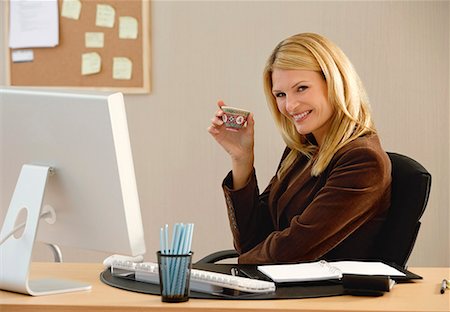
pixel 61 66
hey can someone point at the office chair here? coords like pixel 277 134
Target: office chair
pixel 411 184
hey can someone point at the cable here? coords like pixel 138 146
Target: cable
pixel 22 225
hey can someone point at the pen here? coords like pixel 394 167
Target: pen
pixel 443 285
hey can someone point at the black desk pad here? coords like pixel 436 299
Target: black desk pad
pixel 291 291
pixel 283 291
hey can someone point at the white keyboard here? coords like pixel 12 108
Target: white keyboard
pixel 201 281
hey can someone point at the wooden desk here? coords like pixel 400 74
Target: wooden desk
pixel 420 296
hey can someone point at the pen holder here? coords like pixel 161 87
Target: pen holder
pixel 174 276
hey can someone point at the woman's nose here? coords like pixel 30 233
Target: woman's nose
pixel 291 104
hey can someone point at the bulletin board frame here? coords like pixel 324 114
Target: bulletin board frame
pixel 60 67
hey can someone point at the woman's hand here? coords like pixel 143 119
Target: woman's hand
pixel 237 143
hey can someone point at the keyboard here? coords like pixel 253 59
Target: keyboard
pixel 201 280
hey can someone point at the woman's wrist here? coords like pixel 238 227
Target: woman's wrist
pixel 241 171
pixel 243 160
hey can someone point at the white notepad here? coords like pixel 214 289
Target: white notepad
pixel 366 268
pixel 322 270
pixel 300 272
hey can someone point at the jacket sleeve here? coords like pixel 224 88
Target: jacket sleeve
pixel 248 213
pixel 356 182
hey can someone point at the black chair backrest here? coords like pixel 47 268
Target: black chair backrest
pixel 411 184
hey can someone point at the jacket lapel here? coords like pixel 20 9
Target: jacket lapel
pixel 295 180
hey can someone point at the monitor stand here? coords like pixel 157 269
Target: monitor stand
pixel 15 252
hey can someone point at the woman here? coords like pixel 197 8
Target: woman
pixel 331 191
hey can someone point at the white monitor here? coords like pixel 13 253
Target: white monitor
pixel 73 154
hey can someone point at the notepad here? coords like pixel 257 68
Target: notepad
pixel 300 272
pixel 323 270
pixel 366 268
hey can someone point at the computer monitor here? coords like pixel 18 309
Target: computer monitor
pixel 69 152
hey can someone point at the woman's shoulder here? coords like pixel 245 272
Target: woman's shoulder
pixel 369 142
pixel 366 148
pixel 363 157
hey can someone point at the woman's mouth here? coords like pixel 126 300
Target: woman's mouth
pixel 302 116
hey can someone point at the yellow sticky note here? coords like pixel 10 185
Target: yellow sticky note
pixel 105 16
pixel 122 68
pixel 94 39
pixel 90 63
pixel 71 9
pixel 128 27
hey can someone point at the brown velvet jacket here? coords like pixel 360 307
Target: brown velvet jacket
pixel 333 216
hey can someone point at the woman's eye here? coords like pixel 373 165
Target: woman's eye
pixel 279 94
pixel 302 88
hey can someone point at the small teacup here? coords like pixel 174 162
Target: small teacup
pixel 234 118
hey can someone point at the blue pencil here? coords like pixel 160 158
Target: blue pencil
pixel 164 277
pixel 176 264
pixel 187 249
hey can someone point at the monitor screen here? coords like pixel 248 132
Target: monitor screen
pixel 83 139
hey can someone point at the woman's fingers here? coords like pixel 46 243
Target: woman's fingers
pixel 213 130
pixel 217 121
pixel 250 120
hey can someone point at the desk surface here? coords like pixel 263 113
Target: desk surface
pixel 422 295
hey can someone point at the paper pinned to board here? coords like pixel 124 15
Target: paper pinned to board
pixel 90 63
pixel 94 39
pixel 22 56
pixel 128 27
pixel 105 16
pixel 33 24
pixel 71 9
pixel 122 68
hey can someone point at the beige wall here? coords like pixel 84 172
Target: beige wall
pixel 208 50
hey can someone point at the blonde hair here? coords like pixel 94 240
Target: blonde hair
pixel 346 93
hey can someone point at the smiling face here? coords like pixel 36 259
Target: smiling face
pixel 301 96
